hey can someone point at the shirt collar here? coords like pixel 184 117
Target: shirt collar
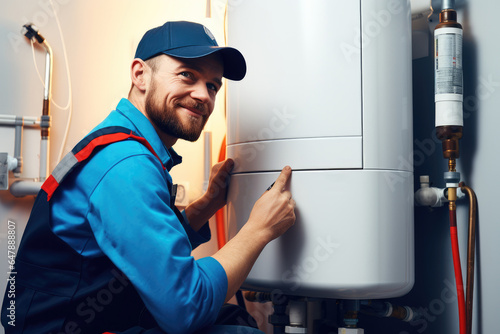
pixel 144 128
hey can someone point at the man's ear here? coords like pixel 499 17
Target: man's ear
pixel 139 74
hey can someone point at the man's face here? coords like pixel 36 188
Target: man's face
pixel 181 94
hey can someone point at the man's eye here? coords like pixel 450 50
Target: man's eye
pixel 187 75
pixel 212 87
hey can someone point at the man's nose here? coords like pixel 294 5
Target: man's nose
pixel 200 93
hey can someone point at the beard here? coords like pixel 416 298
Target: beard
pixel 166 119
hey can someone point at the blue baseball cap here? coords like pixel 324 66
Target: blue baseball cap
pixel 184 39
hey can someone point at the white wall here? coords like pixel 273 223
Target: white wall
pixel 100 39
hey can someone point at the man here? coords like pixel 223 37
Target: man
pixel 105 249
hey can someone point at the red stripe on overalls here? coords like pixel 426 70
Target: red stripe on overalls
pixel 50 185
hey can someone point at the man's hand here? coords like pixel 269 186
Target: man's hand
pixel 274 212
pixel 218 183
pixel 200 211
pixel 271 216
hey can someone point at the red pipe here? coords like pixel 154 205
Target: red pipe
pixel 219 215
pixel 458 270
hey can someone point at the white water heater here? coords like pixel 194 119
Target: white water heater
pixel 328 92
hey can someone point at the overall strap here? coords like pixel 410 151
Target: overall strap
pixel 84 149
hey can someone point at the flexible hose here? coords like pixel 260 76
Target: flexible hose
pixel 458 270
pixel 470 253
pixel 219 215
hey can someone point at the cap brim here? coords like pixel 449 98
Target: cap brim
pixel 235 66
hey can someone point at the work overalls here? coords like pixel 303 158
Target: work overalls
pixel 56 289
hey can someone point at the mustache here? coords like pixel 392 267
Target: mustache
pixel 201 107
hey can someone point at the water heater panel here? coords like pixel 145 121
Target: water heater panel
pixel 344 244
pixel 328 92
pixel 299 83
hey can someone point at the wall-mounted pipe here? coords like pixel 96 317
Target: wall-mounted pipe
pixel 208 9
pixel 207 158
pixel 7 163
pixel 18 145
pixel 432 196
pixel 31 32
pixel 297 315
pixel 25 188
pixel 470 254
pixel 19 123
pixel 449 122
pixel 45 119
pixel 11 120
pixel 386 309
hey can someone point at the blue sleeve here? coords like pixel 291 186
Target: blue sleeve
pixel 144 238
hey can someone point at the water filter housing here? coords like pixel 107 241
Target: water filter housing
pixel 328 92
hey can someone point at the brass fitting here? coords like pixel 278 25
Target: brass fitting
pixel 451 148
pixel 452 165
pixel 449 136
pixel 452 192
pixel 452 197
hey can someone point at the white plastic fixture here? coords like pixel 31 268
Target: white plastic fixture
pixel 328 92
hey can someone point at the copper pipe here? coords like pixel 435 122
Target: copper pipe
pixel 260 297
pixel 470 253
pixel 45 112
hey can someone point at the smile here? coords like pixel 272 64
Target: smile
pixel 193 111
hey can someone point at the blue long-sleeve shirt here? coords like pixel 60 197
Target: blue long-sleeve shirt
pixel 117 204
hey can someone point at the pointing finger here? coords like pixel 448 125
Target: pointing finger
pixel 229 164
pixel 283 178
